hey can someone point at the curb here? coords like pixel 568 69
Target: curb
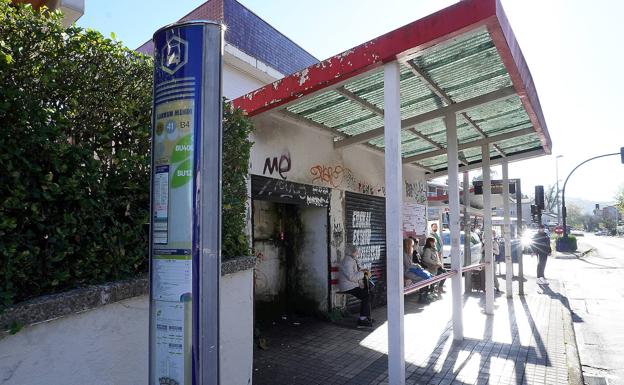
pixel 575 373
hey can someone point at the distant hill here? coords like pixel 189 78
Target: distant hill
pixel 587 206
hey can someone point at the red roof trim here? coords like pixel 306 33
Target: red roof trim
pixel 513 59
pixel 428 31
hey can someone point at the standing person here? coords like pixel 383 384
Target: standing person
pixel 354 280
pixel 541 246
pixel 438 241
pixel 495 252
pixel 432 261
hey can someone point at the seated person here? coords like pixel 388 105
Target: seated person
pixel 416 257
pixel 354 280
pixel 412 271
pixel 431 259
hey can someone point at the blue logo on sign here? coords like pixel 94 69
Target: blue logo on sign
pixel 174 55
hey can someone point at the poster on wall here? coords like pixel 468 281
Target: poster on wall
pixel 414 221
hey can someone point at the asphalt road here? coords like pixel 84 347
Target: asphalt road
pixel 594 286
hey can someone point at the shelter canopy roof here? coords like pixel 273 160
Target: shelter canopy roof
pixel 463 59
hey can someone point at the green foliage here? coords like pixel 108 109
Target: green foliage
pixel 75 109
pixel 74 198
pixel 620 199
pixel 575 217
pixel 15 327
pixel 571 241
pixel 236 150
pixel 566 244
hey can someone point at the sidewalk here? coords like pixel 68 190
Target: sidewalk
pixel 528 340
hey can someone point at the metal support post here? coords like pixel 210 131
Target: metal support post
pixel 507 231
pixel 487 230
pixel 519 226
pixel 394 197
pixel 453 194
pixel 467 256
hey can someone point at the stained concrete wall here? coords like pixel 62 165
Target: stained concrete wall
pixel 312 263
pixel 109 345
pixel 270 279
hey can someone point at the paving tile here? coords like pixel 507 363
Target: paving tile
pixel 523 343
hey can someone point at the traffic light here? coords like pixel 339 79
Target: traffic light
pixel 533 212
pixel 539 197
pixel 622 154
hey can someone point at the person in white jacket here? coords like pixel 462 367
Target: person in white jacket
pixel 352 280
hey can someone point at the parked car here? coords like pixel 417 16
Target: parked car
pixel 475 248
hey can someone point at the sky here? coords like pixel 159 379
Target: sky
pixel 572 47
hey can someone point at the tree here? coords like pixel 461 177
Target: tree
pixel 575 217
pixel 619 199
pixel 550 198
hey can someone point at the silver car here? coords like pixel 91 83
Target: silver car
pixel 475 248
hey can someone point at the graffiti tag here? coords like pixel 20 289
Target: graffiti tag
pixel 281 166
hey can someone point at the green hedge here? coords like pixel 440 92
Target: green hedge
pixel 567 244
pixel 75 109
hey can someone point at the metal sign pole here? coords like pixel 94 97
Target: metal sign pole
pixel 185 236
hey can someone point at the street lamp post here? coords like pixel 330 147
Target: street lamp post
pixel 558 192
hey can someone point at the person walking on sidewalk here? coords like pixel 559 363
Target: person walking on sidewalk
pixel 354 280
pixel 541 247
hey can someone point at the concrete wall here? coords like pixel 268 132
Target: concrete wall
pixel 237 82
pixel 108 345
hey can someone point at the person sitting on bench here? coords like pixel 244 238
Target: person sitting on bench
pixel 431 259
pixel 354 280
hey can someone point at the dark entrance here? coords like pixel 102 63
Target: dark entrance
pixel 290 238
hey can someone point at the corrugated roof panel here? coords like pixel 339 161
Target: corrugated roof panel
pixel 313 103
pixel 343 115
pixel 372 122
pixel 406 136
pixel 433 160
pixel 450 51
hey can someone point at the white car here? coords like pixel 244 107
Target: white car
pixel 475 248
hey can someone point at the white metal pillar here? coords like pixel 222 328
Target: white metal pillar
pixel 453 194
pixel 394 204
pixel 507 231
pixel 487 230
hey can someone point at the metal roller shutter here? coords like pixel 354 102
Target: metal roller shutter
pixel 365 223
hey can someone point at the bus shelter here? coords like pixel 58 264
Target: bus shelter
pixel 450 92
